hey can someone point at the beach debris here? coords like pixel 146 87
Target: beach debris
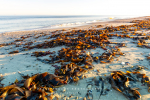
pixel 42 53
pixel 102 87
pixel 13 52
pixel 148 57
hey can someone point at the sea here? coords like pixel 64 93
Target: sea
pixel 28 22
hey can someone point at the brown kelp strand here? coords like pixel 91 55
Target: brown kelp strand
pixel 42 53
pixel 123 82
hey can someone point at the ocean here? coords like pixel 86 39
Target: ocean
pixel 21 23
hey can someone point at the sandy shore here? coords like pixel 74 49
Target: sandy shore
pixel 23 62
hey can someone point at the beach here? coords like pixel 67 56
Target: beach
pixel 23 61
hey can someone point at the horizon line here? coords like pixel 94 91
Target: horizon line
pixel 74 15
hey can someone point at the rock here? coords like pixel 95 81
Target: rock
pixel 89 87
pixel 123 63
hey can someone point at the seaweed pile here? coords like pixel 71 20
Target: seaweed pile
pixel 29 89
pixel 123 82
pixel 76 59
pixel 40 86
pixel 87 39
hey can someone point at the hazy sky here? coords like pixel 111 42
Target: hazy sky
pixel 74 7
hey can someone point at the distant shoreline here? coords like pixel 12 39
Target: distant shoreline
pixel 29 23
pixel 105 23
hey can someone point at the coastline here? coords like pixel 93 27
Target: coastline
pixel 24 63
pixel 21 23
pixel 115 22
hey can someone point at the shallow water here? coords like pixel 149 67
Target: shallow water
pixel 20 23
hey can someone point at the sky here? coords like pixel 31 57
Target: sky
pixel 75 7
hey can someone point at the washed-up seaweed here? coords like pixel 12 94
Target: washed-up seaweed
pixel 13 52
pixel 35 87
pixel 42 53
pixel 76 52
pixel 121 82
pixel 38 85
